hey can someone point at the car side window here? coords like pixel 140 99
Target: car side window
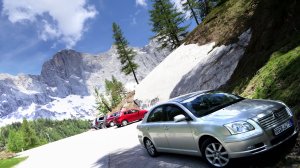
pixel 134 111
pixel 156 115
pixel 172 111
pixel 128 112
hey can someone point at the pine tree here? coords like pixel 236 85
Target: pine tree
pixel 102 104
pixel 126 54
pixel 193 7
pixel 166 22
pixel 15 142
pixel 205 6
pixel 115 91
pixel 29 135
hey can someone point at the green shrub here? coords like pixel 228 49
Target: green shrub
pixel 15 141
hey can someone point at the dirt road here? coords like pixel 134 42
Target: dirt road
pixel 107 148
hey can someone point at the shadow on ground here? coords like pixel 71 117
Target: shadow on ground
pixel 138 157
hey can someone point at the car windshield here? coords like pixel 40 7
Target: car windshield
pixel 210 102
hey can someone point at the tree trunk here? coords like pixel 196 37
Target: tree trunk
pixel 207 10
pixel 135 76
pixel 193 12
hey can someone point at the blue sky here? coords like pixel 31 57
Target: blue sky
pixel 32 31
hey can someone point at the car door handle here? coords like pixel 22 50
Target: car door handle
pixel 166 127
pixel 147 128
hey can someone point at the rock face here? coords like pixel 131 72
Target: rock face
pixel 216 70
pixel 64 89
pixel 190 68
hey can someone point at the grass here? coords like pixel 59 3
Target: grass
pixel 8 163
pixel 278 79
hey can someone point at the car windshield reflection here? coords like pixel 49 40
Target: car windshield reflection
pixel 209 102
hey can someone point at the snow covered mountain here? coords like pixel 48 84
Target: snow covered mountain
pixel 64 89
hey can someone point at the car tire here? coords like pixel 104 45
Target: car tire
pixel 215 154
pixel 111 124
pixel 150 148
pixel 124 122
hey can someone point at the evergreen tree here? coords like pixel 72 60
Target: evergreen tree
pixel 102 104
pixel 199 8
pixel 126 54
pixel 115 91
pixel 193 7
pixel 13 136
pixel 205 6
pixel 15 141
pixel 29 135
pixel 166 22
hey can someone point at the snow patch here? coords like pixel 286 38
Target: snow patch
pixel 190 68
pixel 70 107
pixel 161 81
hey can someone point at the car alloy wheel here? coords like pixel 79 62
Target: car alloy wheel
pixel 150 148
pixel 124 123
pixel 112 124
pixel 215 153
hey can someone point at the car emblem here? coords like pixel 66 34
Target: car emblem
pixel 276 114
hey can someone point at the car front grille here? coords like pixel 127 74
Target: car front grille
pixel 274 118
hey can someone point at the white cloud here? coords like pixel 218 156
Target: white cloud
pixel 179 7
pixel 49 31
pixel 134 17
pixel 141 3
pixel 57 19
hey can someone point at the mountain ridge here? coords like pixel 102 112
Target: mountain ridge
pixel 66 76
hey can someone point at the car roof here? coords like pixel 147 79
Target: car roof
pixel 187 96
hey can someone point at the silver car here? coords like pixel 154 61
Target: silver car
pixel 217 126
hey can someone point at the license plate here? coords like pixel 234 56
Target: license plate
pixel 279 129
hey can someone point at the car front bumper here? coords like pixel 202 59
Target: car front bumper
pixel 259 143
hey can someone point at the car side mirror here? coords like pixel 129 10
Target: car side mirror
pixel 179 118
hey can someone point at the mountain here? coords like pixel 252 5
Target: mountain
pixel 64 89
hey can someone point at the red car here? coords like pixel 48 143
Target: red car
pixel 110 121
pixel 129 116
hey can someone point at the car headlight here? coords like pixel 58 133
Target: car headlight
pixel 239 127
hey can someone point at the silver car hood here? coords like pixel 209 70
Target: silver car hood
pixel 242 111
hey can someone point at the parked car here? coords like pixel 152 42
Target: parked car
pixel 97 123
pixel 217 126
pixel 129 116
pixel 110 121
